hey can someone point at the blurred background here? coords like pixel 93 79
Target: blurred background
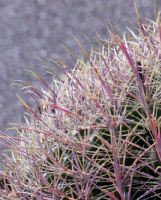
pixel 36 29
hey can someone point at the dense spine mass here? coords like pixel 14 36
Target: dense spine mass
pixel 96 133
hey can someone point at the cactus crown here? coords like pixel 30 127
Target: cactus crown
pixel 96 133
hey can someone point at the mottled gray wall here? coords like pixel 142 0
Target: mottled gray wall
pixel 36 28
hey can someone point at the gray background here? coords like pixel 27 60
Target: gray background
pixel 31 29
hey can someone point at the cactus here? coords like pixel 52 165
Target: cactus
pixel 96 133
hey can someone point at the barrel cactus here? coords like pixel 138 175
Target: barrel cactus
pixel 95 133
